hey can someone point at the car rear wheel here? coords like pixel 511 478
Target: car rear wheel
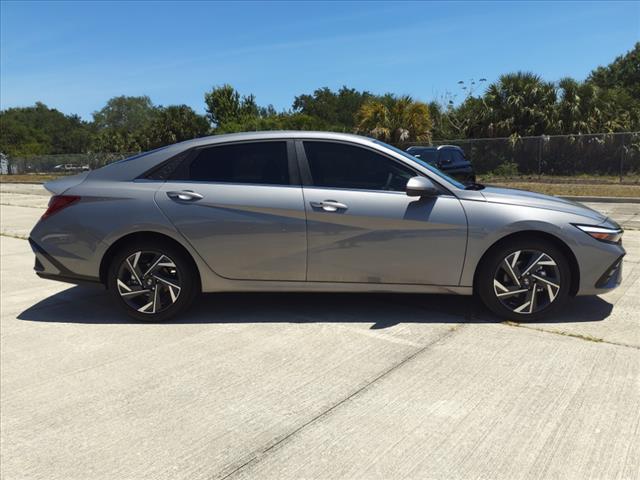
pixel 524 280
pixel 152 282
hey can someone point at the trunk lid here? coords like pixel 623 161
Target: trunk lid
pixel 61 185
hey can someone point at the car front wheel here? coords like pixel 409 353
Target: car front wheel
pixel 524 280
pixel 152 282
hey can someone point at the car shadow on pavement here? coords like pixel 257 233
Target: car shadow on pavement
pixel 94 306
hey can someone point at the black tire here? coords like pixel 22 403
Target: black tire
pixel 547 299
pixel 175 278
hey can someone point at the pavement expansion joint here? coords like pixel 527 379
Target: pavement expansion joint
pixel 586 338
pixel 258 455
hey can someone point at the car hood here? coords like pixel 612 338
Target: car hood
pixel 538 200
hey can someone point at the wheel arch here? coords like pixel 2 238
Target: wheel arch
pixel 140 236
pixel 529 234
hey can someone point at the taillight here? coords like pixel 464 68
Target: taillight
pixel 58 202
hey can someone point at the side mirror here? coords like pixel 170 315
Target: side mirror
pixel 421 187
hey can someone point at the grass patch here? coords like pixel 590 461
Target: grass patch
pixel 581 179
pixel 574 189
pixel 30 177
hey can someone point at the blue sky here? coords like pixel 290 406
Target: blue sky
pixel 74 56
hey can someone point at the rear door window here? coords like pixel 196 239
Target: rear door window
pixel 263 163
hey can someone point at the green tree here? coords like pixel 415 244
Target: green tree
pixel 519 104
pixel 580 108
pixel 395 120
pixel 336 110
pixel 42 130
pixel 619 86
pixel 125 113
pixel 226 106
pixel 451 122
pixel 584 107
pixel 123 123
pixel 623 73
pixel 173 124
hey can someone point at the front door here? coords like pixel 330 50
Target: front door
pixel 362 227
pixel 239 206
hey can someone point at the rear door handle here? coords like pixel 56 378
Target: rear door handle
pixel 329 205
pixel 185 196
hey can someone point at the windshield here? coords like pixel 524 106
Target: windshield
pixel 431 168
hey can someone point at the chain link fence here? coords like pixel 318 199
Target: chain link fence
pixel 593 154
pixel 63 163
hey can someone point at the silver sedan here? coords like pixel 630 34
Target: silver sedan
pixel 315 211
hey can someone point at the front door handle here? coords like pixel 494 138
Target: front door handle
pixel 185 196
pixel 329 205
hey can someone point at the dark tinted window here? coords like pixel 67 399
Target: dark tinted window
pixel 427 154
pixel 445 157
pixel 345 166
pixel 258 162
pixel 166 169
pixel 458 157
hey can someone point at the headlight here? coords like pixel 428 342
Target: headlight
pixel 604 234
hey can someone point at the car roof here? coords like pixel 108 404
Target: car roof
pixel 421 147
pixel 454 147
pixel 273 134
pixel 433 147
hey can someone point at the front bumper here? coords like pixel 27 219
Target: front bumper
pixel 612 277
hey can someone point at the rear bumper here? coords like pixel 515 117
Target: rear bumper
pixel 46 266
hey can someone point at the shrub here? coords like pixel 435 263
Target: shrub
pixel 506 169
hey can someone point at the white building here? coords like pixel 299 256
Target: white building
pixel 4 164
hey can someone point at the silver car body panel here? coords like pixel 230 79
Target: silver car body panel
pixel 243 232
pixel 385 237
pixel 271 238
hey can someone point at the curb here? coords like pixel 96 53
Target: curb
pixel 603 199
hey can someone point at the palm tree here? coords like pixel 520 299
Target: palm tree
pixel 578 109
pixel 586 108
pixel 519 104
pixel 395 120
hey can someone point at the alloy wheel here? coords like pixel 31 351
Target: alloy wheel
pixel 527 281
pixel 148 282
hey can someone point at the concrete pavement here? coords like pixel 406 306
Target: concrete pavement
pixel 310 385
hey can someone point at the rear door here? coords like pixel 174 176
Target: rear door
pixel 241 206
pixel 362 227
